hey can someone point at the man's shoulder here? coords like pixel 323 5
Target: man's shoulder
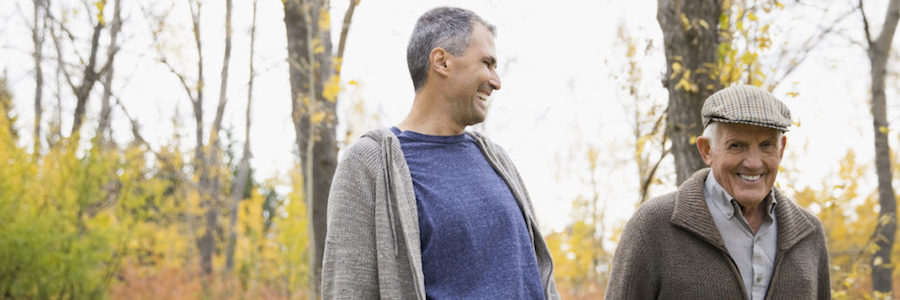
pixel 796 211
pixel 367 149
pixel 490 145
pixel 656 211
pixel 370 142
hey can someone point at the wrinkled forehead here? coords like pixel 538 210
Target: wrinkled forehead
pixel 735 131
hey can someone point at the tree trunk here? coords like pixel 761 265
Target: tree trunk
pixel 214 163
pixel 240 183
pixel 37 37
pixel 886 229
pixel 691 44
pixel 103 131
pixel 310 58
pixel 88 77
pixel 207 242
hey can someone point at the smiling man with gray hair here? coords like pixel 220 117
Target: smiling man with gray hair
pixel 727 233
pixel 426 209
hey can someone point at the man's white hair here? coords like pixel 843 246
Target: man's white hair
pixel 711 132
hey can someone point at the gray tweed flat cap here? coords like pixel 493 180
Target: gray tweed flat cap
pixel 744 104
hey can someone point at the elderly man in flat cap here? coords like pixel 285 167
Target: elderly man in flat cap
pixel 727 233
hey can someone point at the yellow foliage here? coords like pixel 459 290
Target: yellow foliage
pixel 324 19
pixel 685 22
pixel 100 4
pixel 317 46
pixel 336 62
pixel 703 24
pixel 686 84
pixel 676 68
pixel 317 117
pixel 332 88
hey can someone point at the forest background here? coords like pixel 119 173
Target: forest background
pixel 158 149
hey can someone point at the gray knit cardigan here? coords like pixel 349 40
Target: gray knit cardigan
pixel 671 249
pixel 372 247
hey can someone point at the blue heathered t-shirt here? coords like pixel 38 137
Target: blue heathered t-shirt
pixel 474 241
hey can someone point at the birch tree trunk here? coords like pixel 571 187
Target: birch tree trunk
pixel 885 231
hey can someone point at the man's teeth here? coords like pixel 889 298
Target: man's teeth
pixel 483 97
pixel 750 177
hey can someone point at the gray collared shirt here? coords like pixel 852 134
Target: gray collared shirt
pixel 754 255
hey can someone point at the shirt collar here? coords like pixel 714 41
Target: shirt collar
pixel 720 198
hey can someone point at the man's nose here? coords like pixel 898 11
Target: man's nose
pixel 753 160
pixel 494 81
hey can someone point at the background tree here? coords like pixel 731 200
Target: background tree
pixel 691 39
pixel 88 68
pixel 6 106
pixel 315 78
pixel 38 32
pixel 878 51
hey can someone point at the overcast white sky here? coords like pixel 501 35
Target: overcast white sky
pixel 559 62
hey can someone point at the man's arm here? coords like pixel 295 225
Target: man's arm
pixel 632 275
pixel 349 266
pixel 824 264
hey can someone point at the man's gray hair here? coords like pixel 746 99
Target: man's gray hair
pixel 711 132
pixel 445 27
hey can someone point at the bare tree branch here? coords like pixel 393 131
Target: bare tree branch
pixel 865 21
pixel 342 42
pixel 139 138
pixel 809 45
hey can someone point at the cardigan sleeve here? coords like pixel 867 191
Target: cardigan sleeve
pixel 824 284
pixel 349 265
pixel 633 275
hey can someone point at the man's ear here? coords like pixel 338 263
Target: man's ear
pixel 438 60
pixel 704 146
pixel 783 145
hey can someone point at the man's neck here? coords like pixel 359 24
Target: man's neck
pixel 754 215
pixel 428 117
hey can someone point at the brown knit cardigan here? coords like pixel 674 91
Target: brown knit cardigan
pixel 671 249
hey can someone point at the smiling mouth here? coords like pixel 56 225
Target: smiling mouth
pixel 482 96
pixel 750 177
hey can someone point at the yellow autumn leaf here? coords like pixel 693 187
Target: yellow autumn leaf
pixel 703 24
pixel 332 88
pixel 752 16
pixel 305 101
pixel 317 117
pixel 353 83
pixel 883 129
pixel 317 46
pixel 100 4
pixel 324 19
pixel 685 82
pixel 693 140
pixel 686 22
pixel 337 62
pixel 792 94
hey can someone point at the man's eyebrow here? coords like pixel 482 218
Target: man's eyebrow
pixel 491 60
